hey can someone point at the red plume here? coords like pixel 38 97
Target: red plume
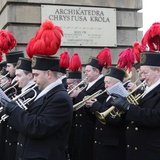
pixel 104 57
pixel 75 63
pixel 152 37
pixel 64 60
pixel 7 41
pixel 46 41
pixel 126 59
pixel 137 49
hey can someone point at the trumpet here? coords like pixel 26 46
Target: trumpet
pixel 21 103
pixel 4 76
pixel 12 87
pixel 82 103
pixel 131 98
pixel 69 92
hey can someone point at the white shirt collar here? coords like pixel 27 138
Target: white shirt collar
pixel 90 84
pixel 27 86
pixel 62 77
pixel 148 89
pixel 48 88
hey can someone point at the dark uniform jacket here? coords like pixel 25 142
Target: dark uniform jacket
pixel 4 129
pixel 11 139
pixel 45 127
pixel 109 138
pixel 143 130
pixel 85 124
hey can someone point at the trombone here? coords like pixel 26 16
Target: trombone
pixel 82 103
pixel 21 103
pixel 131 98
pixel 74 88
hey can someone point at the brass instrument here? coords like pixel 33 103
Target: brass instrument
pixel 69 92
pixel 131 98
pixel 4 76
pixel 82 103
pixel 21 103
pixel 12 87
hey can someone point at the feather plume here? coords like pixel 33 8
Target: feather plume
pixel 46 41
pixel 137 49
pixel 7 41
pixel 104 57
pixel 126 59
pixel 75 63
pixel 64 60
pixel 152 37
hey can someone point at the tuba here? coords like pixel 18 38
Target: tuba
pixel 21 103
pixel 131 98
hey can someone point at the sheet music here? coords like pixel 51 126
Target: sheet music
pixel 4 96
pixel 119 89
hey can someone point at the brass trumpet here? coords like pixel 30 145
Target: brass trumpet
pixel 21 103
pixel 69 92
pixel 82 103
pixel 131 98
pixel 12 87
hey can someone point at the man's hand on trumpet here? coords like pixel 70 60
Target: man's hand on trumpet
pixel 120 102
pixel 90 102
pixel 8 107
pixel 75 92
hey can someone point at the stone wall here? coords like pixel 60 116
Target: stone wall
pixel 23 18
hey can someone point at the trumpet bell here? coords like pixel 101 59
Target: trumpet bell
pixel 100 117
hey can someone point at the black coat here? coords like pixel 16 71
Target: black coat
pixel 143 130
pixel 11 138
pixel 85 125
pixel 109 138
pixel 45 127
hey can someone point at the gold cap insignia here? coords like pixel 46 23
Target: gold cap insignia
pixel 143 58
pixel 34 61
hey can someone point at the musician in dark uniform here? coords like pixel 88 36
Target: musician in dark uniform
pixel 109 138
pixel 24 78
pixel 43 128
pixel 143 130
pixel 64 64
pixel 11 59
pixel 74 79
pixel 85 120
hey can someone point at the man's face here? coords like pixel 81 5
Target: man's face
pixel 11 69
pixel 109 81
pixel 22 78
pixel 41 78
pixel 91 73
pixel 150 76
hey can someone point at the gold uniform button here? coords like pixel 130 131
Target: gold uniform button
pixel 80 115
pixel 80 125
pixel 127 127
pixel 76 125
pixel 76 115
pixel 96 128
pixel 95 141
pixel 128 146
pixel 132 122
pixel 135 148
pixel 101 129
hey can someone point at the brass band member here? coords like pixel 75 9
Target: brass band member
pixel 109 138
pixel 24 78
pixel 142 132
pixel 44 128
pixel 85 121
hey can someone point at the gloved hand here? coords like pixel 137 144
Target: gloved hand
pixel 8 106
pixel 120 102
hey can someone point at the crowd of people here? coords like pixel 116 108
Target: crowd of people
pixel 52 113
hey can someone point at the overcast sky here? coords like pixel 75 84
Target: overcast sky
pixel 151 13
